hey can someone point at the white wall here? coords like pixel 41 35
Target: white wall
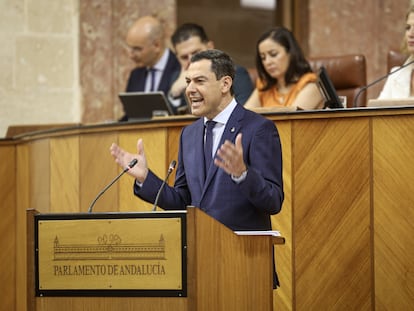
pixel 39 80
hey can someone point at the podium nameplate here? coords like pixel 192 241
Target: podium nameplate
pixel 113 254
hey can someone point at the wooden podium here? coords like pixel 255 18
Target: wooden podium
pixel 222 270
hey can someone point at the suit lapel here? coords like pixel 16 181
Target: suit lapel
pixel 141 80
pixel 231 130
pixel 166 80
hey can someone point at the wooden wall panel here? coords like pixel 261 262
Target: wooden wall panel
pixel 155 147
pixel 346 175
pixel 283 296
pixel 39 164
pixel 7 226
pixel 64 166
pixel 331 221
pixel 172 149
pixel 393 169
pixel 110 304
pixel 96 170
pixel 22 203
pixel 227 261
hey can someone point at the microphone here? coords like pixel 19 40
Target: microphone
pixel 170 169
pixel 130 165
pixel 364 88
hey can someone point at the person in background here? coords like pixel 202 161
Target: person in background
pixel 285 77
pixel 243 184
pixel 155 63
pixel 187 40
pixel 401 84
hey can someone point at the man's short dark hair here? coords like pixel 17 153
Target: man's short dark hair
pixel 221 63
pixel 186 31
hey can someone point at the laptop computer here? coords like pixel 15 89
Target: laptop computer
pixel 328 90
pixel 144 105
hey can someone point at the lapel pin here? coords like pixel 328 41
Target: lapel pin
pixel 232 129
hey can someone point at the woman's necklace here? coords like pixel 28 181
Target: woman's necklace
pixel 283 92
pixel 282 98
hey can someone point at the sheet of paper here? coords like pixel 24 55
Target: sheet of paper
pixel 265 232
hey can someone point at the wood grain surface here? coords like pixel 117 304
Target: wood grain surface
pixel 347 216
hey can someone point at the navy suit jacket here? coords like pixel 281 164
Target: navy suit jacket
pixel 244 206
pixel 136 81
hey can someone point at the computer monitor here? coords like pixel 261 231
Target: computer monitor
pixel 328 90
pixel 145 105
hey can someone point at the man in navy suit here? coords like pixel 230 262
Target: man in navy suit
pixel 187 40
pixel 155 62
pixel 244 185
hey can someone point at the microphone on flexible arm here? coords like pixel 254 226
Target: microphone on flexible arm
pixel 126 169
pixel 170 170
pixel 364 88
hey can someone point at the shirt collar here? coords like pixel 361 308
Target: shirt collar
pixel 162 63
pixel 224 115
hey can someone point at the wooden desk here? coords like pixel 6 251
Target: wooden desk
pixel 347 216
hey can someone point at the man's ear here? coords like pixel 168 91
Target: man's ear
pixel 227 82
pixel 210 45
pixel 157 43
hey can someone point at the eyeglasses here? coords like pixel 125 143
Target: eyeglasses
pixel 132 49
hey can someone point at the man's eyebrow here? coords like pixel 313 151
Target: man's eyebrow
pixel 196 77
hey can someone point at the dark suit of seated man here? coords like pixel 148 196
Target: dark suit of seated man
pixel 187 40
pixel 155 63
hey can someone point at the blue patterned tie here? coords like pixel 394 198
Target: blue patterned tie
pixel 208 145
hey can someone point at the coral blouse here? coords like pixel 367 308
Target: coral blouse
pixel 272 97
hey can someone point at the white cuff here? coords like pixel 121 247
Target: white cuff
pixel 239 179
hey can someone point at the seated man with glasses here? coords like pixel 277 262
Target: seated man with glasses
pixel 155 62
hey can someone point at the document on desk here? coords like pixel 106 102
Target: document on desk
pixel 263 232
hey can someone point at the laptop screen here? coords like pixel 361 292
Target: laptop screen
pixel 144 105
pixel 328 90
